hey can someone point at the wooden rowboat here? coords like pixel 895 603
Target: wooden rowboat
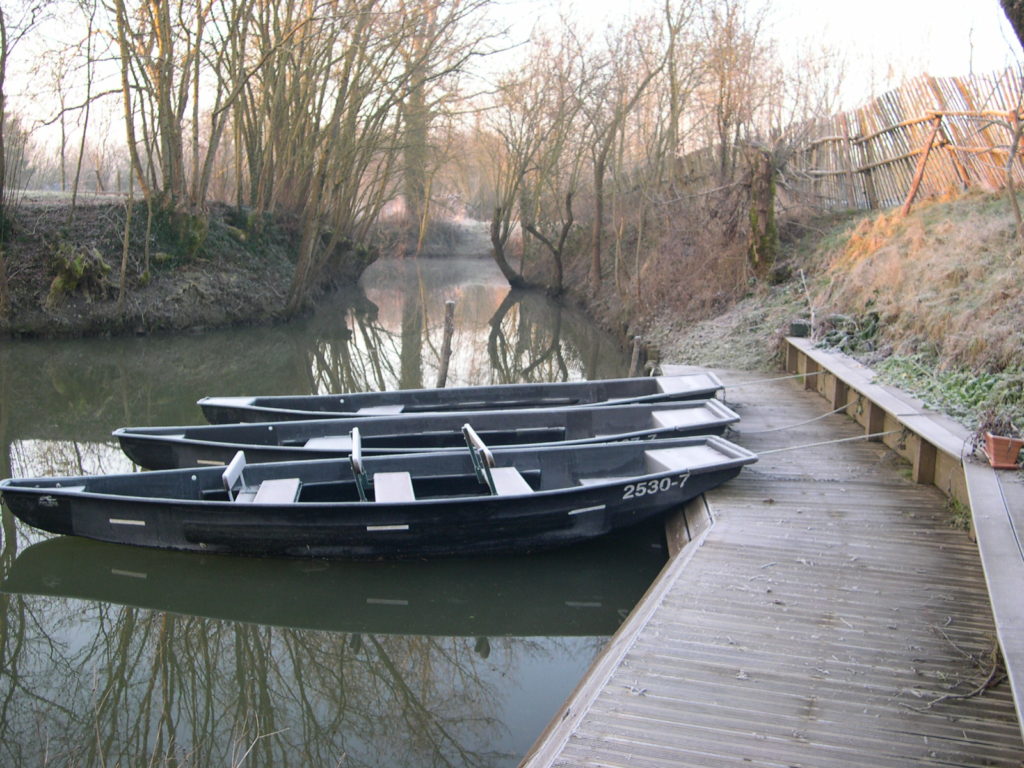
pixel 649 389
pixel 173 447
pixel 417 505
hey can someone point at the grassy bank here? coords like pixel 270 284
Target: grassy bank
pixel 64 269
pixel 934 301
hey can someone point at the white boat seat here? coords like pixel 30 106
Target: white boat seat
pixel 686 458
pixel 283 490
pixel 680 417
pixel 233 474
pixel 508 481
pixel 393 486
pixel 680 385
pixel 380 410
pixel 245 494
pixel 331 443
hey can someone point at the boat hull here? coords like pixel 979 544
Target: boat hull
pixel 570 394
pixel 173 447
pixel 597 489
pixel 479 525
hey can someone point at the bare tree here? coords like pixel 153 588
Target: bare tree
pixel 1014 10
pixel 444 37
pixel 17 19
pixel 735 58
pixel 620 74
pixel 552 181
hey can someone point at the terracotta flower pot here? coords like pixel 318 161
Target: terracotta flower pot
pixel 1002 451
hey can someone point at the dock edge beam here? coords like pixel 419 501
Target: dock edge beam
pixel 685 532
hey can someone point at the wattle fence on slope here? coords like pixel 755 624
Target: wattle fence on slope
pixel 953 133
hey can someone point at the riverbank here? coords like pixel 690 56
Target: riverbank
pixel 63 270
pixel 933 301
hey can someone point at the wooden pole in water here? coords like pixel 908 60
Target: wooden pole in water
pixel 446 345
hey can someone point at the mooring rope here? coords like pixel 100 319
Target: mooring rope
pixel 791 426
pixel 776 378
pixel 831 442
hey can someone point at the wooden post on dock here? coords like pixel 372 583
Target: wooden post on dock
pixel 446 345
pixel 634 363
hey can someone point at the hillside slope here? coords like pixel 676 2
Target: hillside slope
pixel 935 301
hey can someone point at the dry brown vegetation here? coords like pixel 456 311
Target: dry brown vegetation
pixel 945 284
pixel 946 281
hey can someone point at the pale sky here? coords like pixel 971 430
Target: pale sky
pixel 940 37
pixel 884 41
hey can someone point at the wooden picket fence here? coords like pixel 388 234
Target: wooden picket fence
pixel 946 133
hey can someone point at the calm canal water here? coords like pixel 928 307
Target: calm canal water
pixel 118 656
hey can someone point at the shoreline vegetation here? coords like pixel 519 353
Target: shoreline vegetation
pixel 73 275
pixel 667 175
pixel 932 300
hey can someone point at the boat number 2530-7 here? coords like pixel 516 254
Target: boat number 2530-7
pixel 650 487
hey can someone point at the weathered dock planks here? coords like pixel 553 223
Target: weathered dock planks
pixel 829 617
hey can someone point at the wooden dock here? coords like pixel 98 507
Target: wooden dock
pixel 829 615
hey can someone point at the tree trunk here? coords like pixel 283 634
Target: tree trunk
pixel 764 235
pixel 1014 10
pixel 598 231
pixel 557 250
pixel 4 301
pixel 498 240
pixel 415 156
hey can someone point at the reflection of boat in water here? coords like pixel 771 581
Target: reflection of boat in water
pixel 579 591
pixel 172 447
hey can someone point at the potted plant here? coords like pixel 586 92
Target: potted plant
pixel 999 438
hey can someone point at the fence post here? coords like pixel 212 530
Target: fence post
pixel 867 167
pixel 922 162
pixel 848 164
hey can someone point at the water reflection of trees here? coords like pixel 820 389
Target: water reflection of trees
pixel 90 683
pixel 527 338
pixel 534 339
pixel 94 684
pixel 81 390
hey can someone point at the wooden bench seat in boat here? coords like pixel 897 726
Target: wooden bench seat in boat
pixel 283 490
pixel 689 457
pixel 508 481
pixel 380 410
pixel 393 486
pixel 331 443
